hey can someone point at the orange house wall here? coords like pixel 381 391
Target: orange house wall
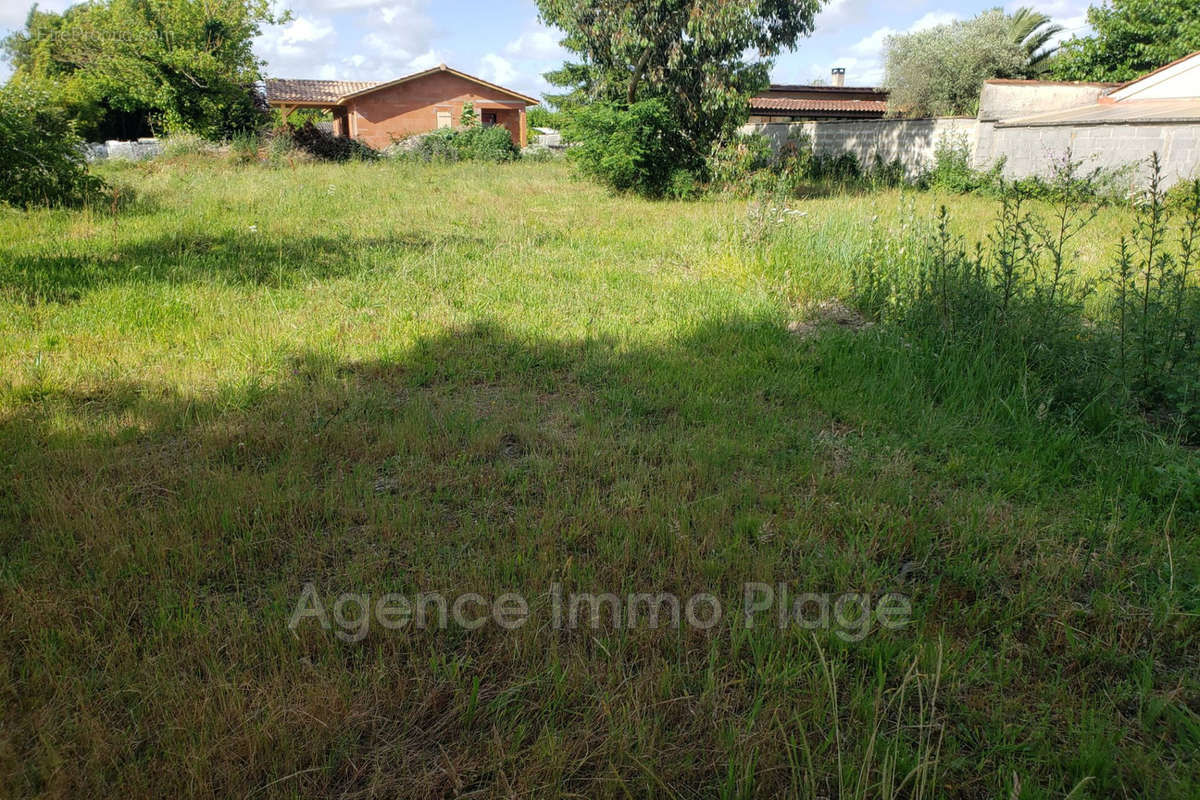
pixel 379 118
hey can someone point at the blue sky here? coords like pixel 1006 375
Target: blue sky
pixel 504 42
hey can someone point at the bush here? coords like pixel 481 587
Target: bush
pixel 492 144
pixel 41 157
pixel 737 165
pixel 953 172
pixel 328 147
pixel 637 149
pixel 542 117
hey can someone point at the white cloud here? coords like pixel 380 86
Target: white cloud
pixel 295 49
pixel 871 46
pixel 864 65
pixel 932 20
pixel 497 69
pixel 539 43
pixel 13 13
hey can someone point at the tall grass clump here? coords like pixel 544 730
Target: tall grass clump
pixel 182 144
pixel 1007 318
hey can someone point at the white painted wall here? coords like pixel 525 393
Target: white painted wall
pixel 1178 80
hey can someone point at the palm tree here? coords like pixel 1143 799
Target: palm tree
pixel 1033 30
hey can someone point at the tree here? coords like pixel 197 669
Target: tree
pixel 171 64
pixel 1035 32
pixel 695 56
pixel 940 71
pixel 1131 37
pixel 41 157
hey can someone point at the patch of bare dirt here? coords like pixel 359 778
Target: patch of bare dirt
pixel 828 314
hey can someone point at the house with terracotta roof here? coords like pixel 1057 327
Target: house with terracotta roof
pixel 797 103
pixel 378 113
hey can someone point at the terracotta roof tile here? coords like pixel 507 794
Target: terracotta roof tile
pixel 300 91
pixel 795 104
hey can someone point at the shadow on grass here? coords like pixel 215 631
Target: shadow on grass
pixel 237 258
pixel 155 544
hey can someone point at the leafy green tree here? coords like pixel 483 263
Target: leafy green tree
pixel 179 65
pixel 940 71
pixel 639 148
pixel 1131 37
pixel 702 59
pixel 41 156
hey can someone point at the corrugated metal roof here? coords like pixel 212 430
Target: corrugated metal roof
pixel 766 103
pixel 303 91
pixel 1153 111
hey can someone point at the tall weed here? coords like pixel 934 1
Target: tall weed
pixel 1011 311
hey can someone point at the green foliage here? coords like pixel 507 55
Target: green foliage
pixel 177 145
pixel 490 143
pixel 41 156
pixel 747 165
pixel 1035 32
pixel 736 163
pixel 542 117
pixel 1131 37
pixel 327 147
pixel 940 71
pixel 469 117
pixel 640 149
pixel 1156 306
pixel 694 56
pixel 299 116
pixel 176 65
pixel 953 172
pixel 1018 302
pixel 244 147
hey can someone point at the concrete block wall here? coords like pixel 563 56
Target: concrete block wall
pixel 912 141
pixel 1034 150
pixel 1028 150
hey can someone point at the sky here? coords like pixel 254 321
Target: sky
pixel 502 40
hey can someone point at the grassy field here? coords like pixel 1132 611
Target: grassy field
pixel 400 379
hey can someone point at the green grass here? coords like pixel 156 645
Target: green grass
pixel 402 378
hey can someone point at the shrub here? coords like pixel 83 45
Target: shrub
pixel 637 149
pixel 491 143
pixel 952 168
pixel 41 157
pixel 328 147
pixel 542 117
pixel 736 164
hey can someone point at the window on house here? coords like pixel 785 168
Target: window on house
pixel 443 119
pixel 488 118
